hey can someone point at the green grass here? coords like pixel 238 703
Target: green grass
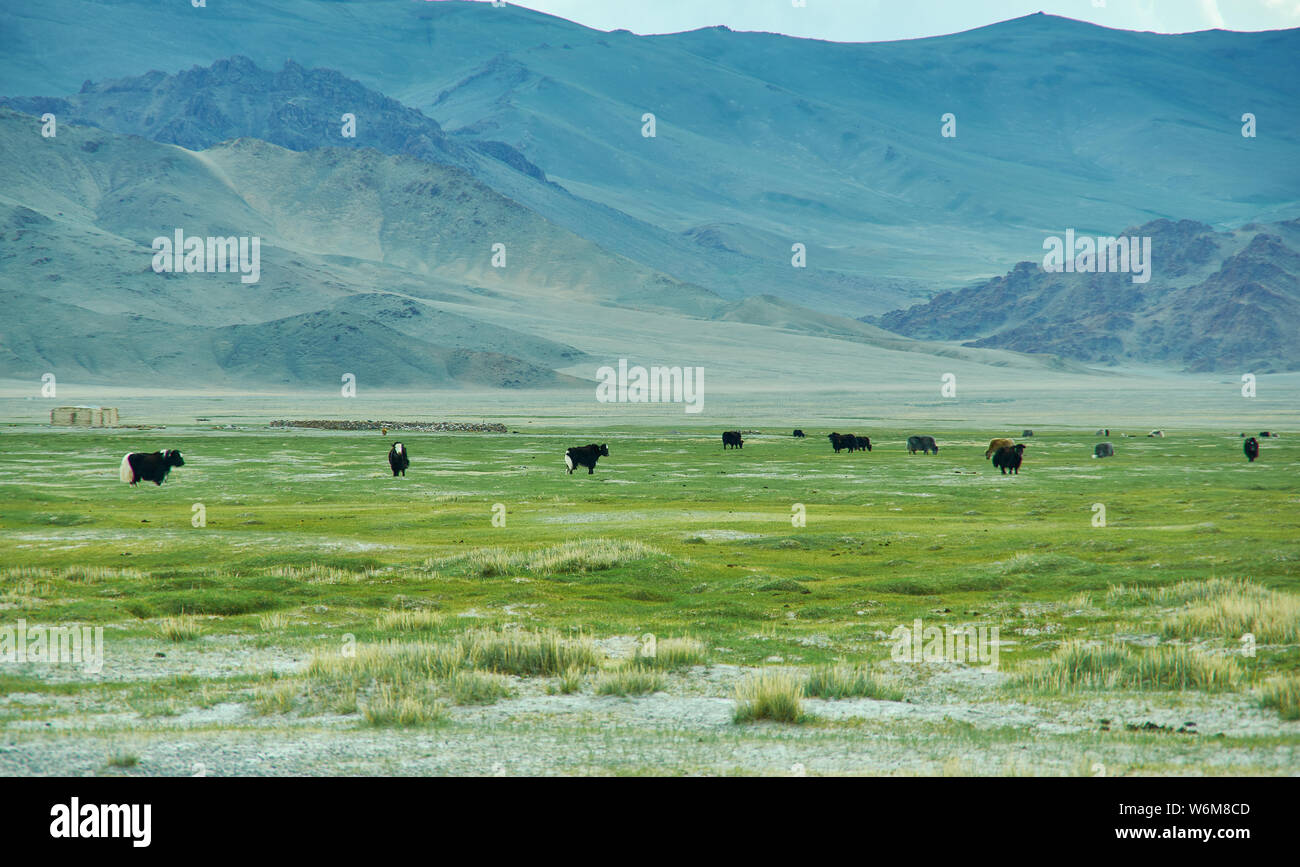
pixel 850 681
pixel 670 654
pixel 394 707
pixel 1080 665
pixel 529 653
pixel 1282 694
pixel 182 628
pixel 629 681
pixel 770 695
pixel 473 687
pixel 122 760
pixel 309 540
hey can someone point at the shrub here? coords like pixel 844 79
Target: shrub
pixel 849 681
pixel 769 695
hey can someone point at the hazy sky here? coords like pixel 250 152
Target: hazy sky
pixel 872 20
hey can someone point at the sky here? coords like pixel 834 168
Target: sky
pixel 878 20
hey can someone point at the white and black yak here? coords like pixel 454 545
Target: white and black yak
pixel 149 466
pixel 585 456
pixel 1251 448
pixel 398 459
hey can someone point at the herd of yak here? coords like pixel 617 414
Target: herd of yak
pixel 1007 454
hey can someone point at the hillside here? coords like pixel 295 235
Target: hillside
pixel 302 109
pixel 356 250
pixel 370 264
pixel 1216 301
pixel 764 140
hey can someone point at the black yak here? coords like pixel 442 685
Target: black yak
pixel 732 439
pixel 585 456
pixel 149 466
pixel 798 434
pixel 1251 448
pixel 1009 458
pixel 398 459
pixel 864 443
pixel 923 444
pixel 1104 450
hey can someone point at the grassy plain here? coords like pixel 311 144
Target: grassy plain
pixel 328 618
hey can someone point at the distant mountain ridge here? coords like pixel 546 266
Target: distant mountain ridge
pixel 789 187
pixel 1217 301
pixel 303 109
pixel 836 146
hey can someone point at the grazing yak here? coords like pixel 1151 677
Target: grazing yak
pixel 1027 433
pixel 1009 458
pixel 585 456
pixel 149 467
pixel 1103 450
pixel 996 444
pixel 921 444
pixel 399 459
pixel 1251 448
pixel 732 439
pixel 851 442
pixel 1266 434
pixel 798 434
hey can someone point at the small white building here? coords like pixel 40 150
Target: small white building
pixel 84 416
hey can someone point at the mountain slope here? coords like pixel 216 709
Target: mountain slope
pixel 302 109
pixel 836 146
pixel 1222 301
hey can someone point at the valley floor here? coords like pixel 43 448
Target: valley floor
pixel 283 606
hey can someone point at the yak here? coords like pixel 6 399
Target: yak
pixel 149 467
pixel 1104 450
pixel 924 444
pixel 864 443
pixel 398 459
pixel 798 434
pixel 732 439
pixel 1009 458
pixel 996 444
pixel 1251 448
pixel 585 456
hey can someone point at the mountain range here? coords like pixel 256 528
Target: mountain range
pixel 1215 301
pixel 478 125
